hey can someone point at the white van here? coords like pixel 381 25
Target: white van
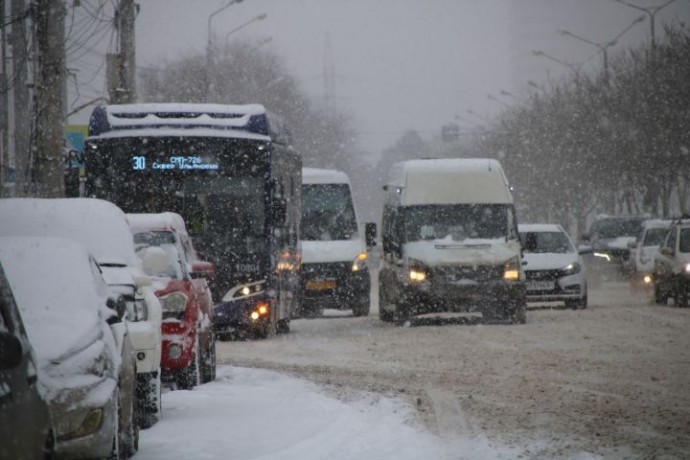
pixel 450 241
pixel 334 248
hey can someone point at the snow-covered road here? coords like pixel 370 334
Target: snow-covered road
pixel 259 414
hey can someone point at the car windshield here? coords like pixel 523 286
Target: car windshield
pixel 615 228
pixel 327 212
pixel 654 236
pixel 166 241
pixel 545 242
pixel 457 222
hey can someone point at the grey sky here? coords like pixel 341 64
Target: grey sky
pixel 403 64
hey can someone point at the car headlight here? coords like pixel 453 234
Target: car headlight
pixel 360 262
pixel 571 269
pixel 76 424
pixel 603 255
pixel 511 269
pixel 417 271
pixel 687 268
pixel 173 305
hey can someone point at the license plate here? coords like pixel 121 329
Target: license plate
pixel 321 285
pixel 540 286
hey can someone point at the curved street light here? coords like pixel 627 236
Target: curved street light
pixel 254 19
pixel 603 47
pixel 573 67
pixel 209 45
pixel 651 12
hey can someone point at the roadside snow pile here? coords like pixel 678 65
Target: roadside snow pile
pixel 253 413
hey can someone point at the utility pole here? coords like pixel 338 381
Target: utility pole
pixel 19 140
pixel 4 101
pixel 50 39
pixel 121 67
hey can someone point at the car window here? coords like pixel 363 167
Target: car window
pixel 684 243
pixel 671 238
pixel 654 236
pixel 546 242
pixel 8 319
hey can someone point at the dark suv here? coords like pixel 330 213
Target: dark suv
pixel 610 238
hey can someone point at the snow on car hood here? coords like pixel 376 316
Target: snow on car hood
pixel 50 277
pixel 548 261
pixel 331 251
pixel 448 251
pixel 620 242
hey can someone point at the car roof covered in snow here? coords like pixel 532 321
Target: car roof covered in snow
pixel 142 222
pixel 449 181
pixel 657 223
pixel 540 228
pixel 324 176
pixel 98 224
pixel 53 285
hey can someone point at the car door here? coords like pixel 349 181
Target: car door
pixel 25 421
pixel 665 258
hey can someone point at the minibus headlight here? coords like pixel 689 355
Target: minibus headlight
pixel 511 269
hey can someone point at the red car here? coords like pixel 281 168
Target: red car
pixel 181 283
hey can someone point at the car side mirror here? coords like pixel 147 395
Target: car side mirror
pixel 155 262
pixel 10 351
pixel 279 210
pixel 632 244
pixel 119 306
pixel 667 251
pixel 202 269
pixel 370 234
pixel 142 281
pixel 585 249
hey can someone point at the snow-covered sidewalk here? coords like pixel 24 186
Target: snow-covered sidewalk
pixel 259 414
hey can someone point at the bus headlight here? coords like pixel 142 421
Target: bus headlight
pixel 511 269
pixel 360 262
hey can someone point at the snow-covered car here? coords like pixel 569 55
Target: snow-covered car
pixel 672 265
pixel 643 251
pixel 86 362
pixel 553 266
pixel 610 237
pixel 180 281
pixel 102 227
pixel 26 428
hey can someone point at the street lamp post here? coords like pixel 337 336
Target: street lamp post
pixel 573 67
pixel 603 47
pixel 252 20
pixel 491 97
pixel 209 46
pixel 651 12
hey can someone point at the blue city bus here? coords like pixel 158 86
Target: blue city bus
pixel 231 172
